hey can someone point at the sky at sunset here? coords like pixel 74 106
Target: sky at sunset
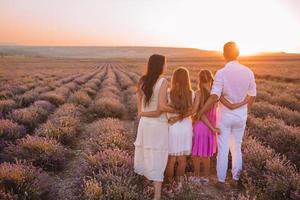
pixel 257 25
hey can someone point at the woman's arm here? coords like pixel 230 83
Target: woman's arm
pixel 162 103
pixel 233 106
pixel 139 106
pixel 139 99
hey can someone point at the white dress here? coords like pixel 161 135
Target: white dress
pixel 180 134
pixel 151 145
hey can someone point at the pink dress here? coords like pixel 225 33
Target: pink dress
pixel 204 140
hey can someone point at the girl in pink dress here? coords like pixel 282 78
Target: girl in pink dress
pixel 204 131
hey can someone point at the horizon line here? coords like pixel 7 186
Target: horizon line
pixel 7 44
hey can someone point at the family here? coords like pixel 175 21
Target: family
pixel 177 122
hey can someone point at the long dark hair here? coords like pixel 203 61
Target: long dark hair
pixel 155 68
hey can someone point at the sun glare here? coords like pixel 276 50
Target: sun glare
pixel 244 51
pixel 255 25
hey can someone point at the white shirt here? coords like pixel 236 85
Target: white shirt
pixel 235 81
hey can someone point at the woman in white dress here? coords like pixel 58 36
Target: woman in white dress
pixel 151 145
pixel 180 97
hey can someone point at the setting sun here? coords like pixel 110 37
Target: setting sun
pixel 270 25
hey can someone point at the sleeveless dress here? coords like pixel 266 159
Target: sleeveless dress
pixel 180 134
pixel 151 145
pixel 204 140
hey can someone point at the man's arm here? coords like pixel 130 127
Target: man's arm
pixel 233 106
pixel 215 94
pixel 251 100
pixel 251 91
pixel 213 98
pixel 203 118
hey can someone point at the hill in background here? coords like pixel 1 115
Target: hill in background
pixel 126 52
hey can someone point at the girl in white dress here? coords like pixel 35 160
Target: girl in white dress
pixel 180 97
pixel 151 145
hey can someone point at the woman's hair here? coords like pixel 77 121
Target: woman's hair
pixel 154 70
pixel 181 91
pixel 205 77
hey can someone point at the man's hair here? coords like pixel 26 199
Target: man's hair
pixel 231 51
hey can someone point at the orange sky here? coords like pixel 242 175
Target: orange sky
pixel 257 25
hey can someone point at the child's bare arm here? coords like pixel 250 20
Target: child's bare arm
pixel 196 103
pixel 208 124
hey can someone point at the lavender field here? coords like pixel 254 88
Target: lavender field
pixel 67 129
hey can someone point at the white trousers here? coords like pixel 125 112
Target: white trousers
pixel 232 128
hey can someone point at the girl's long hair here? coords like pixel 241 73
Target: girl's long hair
pixel 205 77
pixel 155 68
pixel 181 91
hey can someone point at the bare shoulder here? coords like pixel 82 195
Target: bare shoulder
pixel 163 84
pixel 164 81
pixel 164 78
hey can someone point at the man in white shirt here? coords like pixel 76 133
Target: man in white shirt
pixel 235 82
